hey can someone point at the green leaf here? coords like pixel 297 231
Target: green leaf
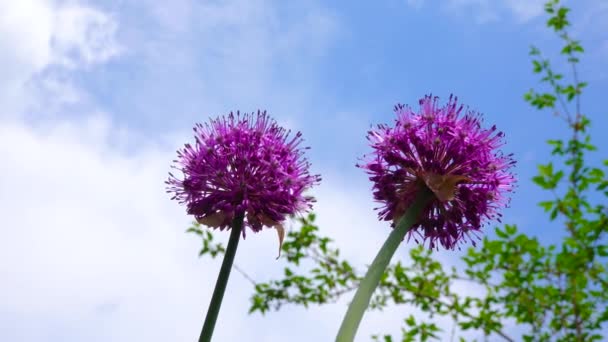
pixel 511 229
pixel 537 66
pixel 547 205
pixel 501 234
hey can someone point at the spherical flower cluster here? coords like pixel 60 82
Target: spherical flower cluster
pixel 451 155
pixel 242 164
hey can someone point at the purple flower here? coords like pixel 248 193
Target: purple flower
pixel 242 164
pixel 450 154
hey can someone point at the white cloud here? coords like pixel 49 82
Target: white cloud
pixel 84 36
pixel 486 11
pixel 591 25
pixel 183 60
pixel 38 34
pixel 86 230
pixel 525 10
pixel 415 3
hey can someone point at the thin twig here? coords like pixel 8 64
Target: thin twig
pixel 244 274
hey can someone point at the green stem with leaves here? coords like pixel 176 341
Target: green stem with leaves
pixel 222 279
pixel 364 293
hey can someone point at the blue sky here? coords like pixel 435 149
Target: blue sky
pixel 95 96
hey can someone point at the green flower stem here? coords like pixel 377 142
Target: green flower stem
pixel 222 279
pixel 360 302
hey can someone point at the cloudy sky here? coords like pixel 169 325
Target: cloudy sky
pixel 96 96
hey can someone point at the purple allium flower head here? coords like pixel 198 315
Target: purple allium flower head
pixel 242 164
pixel 452 155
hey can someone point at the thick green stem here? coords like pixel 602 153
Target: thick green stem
pixel 222 279
pixel 360 302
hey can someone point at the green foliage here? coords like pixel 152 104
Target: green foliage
pixel 424 332
pixel 325 278
pixel 209 247
pixel 528 290
pixel 571 50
